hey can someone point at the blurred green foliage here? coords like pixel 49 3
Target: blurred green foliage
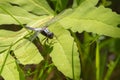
pixel 87 46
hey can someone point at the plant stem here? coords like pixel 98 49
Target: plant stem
pixel 5 59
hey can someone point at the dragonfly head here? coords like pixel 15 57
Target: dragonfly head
pixel 47 33
pixel 50 35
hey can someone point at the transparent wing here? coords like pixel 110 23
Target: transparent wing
pixel 54 19
pixel 29 39
pixel 32 37
pixel 59 16
pixel 45 22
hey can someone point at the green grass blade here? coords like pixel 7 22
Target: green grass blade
pixel 111 67
pixel 97 62
pixel 2 67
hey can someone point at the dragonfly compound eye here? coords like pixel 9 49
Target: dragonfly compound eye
pixel 47 33
pixel 50 35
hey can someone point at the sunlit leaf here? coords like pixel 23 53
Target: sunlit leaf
pixel 36 7
pixel 27 53
pixel 10 67
pixel 8 37
pixel 88 18
pixel 62 53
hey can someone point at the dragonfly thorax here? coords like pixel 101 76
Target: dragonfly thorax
pixel 47 33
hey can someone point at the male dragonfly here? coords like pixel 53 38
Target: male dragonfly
pixel 44 30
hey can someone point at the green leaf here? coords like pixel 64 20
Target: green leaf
pixel 88 18
pixel 15 8
pixel 62 53
pixel 37 7
pixel 8 37
pixel 26 52
pixel 10 67
pixel 19 13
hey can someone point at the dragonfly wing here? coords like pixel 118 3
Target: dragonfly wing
pixel 25 40
pixel 34 29
pixel 54 19
pixel 30 28
pixel 59 16
pixel 32 37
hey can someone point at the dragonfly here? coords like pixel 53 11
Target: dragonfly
pixel 44 29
